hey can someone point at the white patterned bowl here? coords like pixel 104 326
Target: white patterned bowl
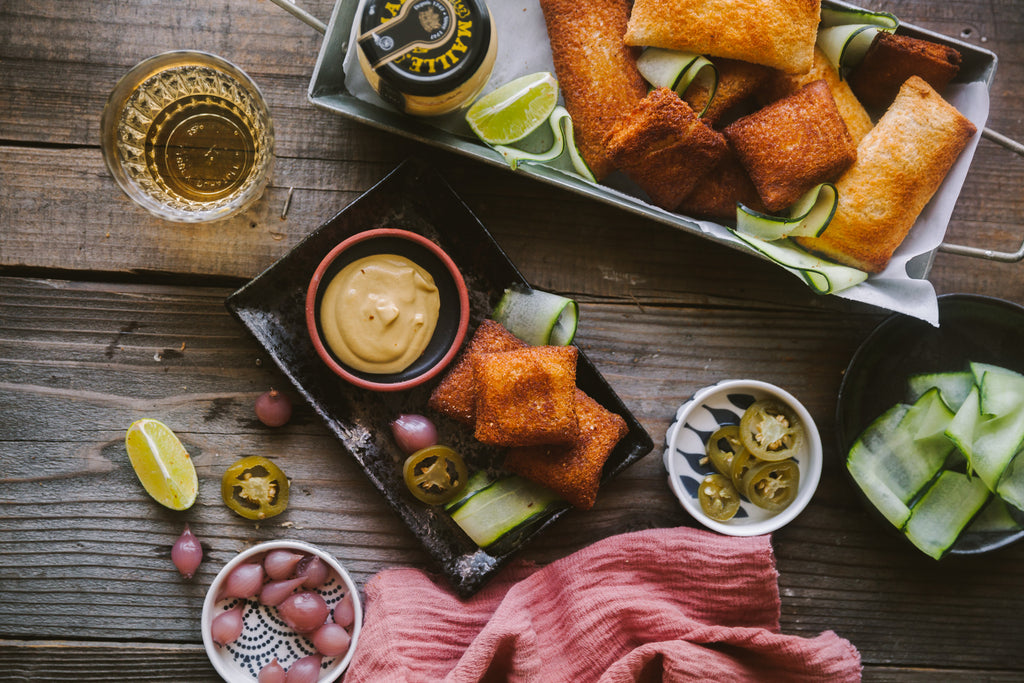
pixel 686 442
pixel 265 636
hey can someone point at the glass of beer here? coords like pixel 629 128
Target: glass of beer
pixel 187 135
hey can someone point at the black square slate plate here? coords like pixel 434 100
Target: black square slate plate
pixel 271 306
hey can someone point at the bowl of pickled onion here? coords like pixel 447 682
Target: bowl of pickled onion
pixel 283 606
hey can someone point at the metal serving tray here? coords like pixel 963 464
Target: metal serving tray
pixel 328 91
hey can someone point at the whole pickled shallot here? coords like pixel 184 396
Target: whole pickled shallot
pixel 413 432
pixel 313 570
pixel 345 611
pixel 280 563
pixel 274 593
pixel 305 670
pixel 187 553
pixel 305 612
pixel 227 626
pixel 244 581
pixel 272 673
pixel 331 640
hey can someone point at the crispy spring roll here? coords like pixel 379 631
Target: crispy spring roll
pixel 900 164
pixel 596 70
pixel 776 33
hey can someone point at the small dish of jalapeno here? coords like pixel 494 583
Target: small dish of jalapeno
pixel 743 456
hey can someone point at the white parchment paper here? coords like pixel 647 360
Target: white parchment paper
pixel 523 48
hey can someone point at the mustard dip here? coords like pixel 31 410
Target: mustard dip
pixel 379 313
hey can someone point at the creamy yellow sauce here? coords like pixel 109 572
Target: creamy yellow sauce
pixel 379 313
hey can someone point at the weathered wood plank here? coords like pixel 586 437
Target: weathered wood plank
pixel 42 661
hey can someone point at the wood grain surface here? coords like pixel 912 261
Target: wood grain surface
pixel 108 315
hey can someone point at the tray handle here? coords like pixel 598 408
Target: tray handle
pixel 301 14
pixel 989 254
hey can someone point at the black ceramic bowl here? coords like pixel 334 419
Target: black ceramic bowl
pixel 453 317
pixel 971 328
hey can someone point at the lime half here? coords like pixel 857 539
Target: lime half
pixel 162 464
pixel 514 110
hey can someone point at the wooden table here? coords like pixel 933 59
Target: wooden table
pixel 108 315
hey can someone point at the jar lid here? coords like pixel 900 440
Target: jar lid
pixel 425 47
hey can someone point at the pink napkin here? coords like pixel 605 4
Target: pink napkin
pixel 663 604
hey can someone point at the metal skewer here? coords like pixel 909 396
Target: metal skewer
pixel 302 14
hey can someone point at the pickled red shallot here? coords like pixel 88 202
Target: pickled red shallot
pixel 187 553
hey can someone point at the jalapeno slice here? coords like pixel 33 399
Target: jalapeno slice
pixel 255 488
pixel 723 446
pixel 772 485
pixel 435 474
pixel 718 498
pixel 771 430
pixel 741 462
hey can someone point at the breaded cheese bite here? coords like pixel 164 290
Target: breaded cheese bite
pixel 892 59
pixel 573 471
pixel 900 165
pixel 596 70
pixel 775 33
pixel 792 145
pixel 664 147
pixel 455 396
pixel 526 397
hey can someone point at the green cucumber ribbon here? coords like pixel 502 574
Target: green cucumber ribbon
pixel 824 277
pixel 808 217
pixel 677 70
pixel 563 142
pixel 845 35
pixel 537 317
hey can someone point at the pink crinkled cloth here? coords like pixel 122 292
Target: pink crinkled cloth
pixel 658 605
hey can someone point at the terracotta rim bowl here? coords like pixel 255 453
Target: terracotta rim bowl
pixel 453 319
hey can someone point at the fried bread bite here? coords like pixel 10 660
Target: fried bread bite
pixel 792 145
pixel 900 164
pixel 737 82
pixel 892 59
pixel 776 33
pixel 573 471
pixel 526 397
pixel 664 147
pixel 781 84
pixel 455 396
pixel 596 70
pixel 718 192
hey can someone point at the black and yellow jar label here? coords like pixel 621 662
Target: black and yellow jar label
pixel 435 53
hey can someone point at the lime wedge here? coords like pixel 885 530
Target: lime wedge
pixel 162 464
pixel 514 110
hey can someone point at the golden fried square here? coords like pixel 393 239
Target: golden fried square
pixel 573 471
pixel 793 144
pixel 892 59
pixel 781 84
pixel 737 82
pixel 455 396
pixel 526 397
pixel 664 147
pixel 718 192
